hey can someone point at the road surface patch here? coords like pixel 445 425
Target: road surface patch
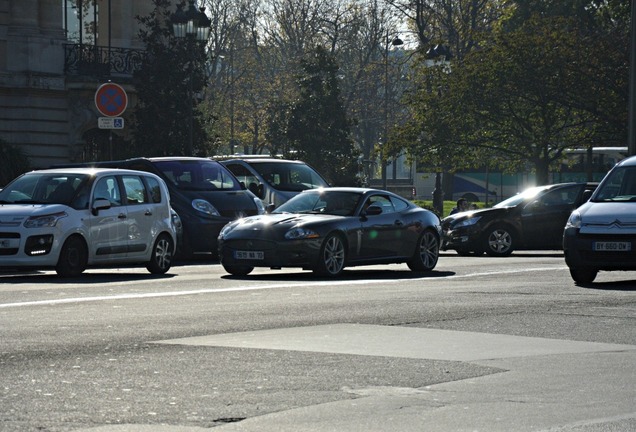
pixel 393 341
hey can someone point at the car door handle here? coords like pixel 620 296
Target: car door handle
pixel 121 216
pixel 148 213
pixel 399 223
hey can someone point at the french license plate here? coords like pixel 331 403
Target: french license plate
pixel 612 246
pixel 249 255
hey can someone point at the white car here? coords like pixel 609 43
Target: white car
pixel 601 234
pixel 73 218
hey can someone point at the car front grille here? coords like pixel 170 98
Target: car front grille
pixel 7 238
pixel 260 245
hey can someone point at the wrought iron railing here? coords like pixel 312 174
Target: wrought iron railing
pixel 99 61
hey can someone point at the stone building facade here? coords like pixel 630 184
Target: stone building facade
pixel 54 55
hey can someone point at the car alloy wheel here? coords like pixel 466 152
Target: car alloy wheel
pixel 161 258
pixel 332 256
pixel 499 242
pixel 426 253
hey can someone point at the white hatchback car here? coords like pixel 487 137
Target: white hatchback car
pixel 73 218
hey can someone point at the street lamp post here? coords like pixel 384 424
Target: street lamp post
pixel 434 55
pixel 395 42
pixel 193 25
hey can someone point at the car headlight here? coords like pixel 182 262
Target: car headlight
pixel 205 207
pixel 45 220
pixel 300 233
pixel 259 205
pixel 574 221
pixel 467 222
pixel 227 229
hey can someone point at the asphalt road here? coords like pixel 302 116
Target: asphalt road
pixel 479 344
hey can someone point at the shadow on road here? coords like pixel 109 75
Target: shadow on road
pixel 42 277
pixel 515 254
pixel 627 285
pixel 347 274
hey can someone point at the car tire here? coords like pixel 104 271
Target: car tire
pixel 73 257
pixel 499 241
pixel 238 270
pixel 426 253
pixel 162 254
pixel 331 260
pixel 583 275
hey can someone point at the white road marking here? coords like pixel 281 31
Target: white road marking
pixel 252 288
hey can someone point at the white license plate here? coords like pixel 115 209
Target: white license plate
pixel 249 255
pixel 612 246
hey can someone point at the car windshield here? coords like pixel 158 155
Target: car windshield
pixel 322 201
pixel 521 197
pixel 197 175
pixel 290 177
pixel 40 188
pixel 620 185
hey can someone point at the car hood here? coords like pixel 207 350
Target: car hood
pixel 230 203
pixel 253 226
pixel 608 216
pixel 14 214
pixel 286 219
pixel 450 220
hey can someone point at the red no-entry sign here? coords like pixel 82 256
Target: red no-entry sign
pixel 111 99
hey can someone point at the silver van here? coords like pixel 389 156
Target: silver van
pixel 274 180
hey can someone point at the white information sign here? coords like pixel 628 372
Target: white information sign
pixel 110 122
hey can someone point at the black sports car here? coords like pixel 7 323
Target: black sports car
pixel 325 230
pixel 533 219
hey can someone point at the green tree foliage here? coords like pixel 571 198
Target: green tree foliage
pixel 13 162
pixel 170 78
pixel 531 91
pixel 317 125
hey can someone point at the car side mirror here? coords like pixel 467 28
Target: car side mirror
pixel 269 208
pixel 587 194
pixel 99 204
pixel 373 210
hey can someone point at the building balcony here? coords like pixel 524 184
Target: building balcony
pixel 91 61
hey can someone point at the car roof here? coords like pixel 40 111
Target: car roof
pixel 359 190
pixel 252 160
pixel 629 161
pixel 177 158
pixel 86 170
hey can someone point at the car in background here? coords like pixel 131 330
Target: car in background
pixel 275 180
pixel 326 230
pixel 601 234
pixel 74 218
pixel 204 194
pixel 531 220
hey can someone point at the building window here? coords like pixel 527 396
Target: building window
pixel 81 21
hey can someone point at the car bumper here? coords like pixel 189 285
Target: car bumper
pixel 460 239
pixel 579 251
pixel 37 248
pixel 295 253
